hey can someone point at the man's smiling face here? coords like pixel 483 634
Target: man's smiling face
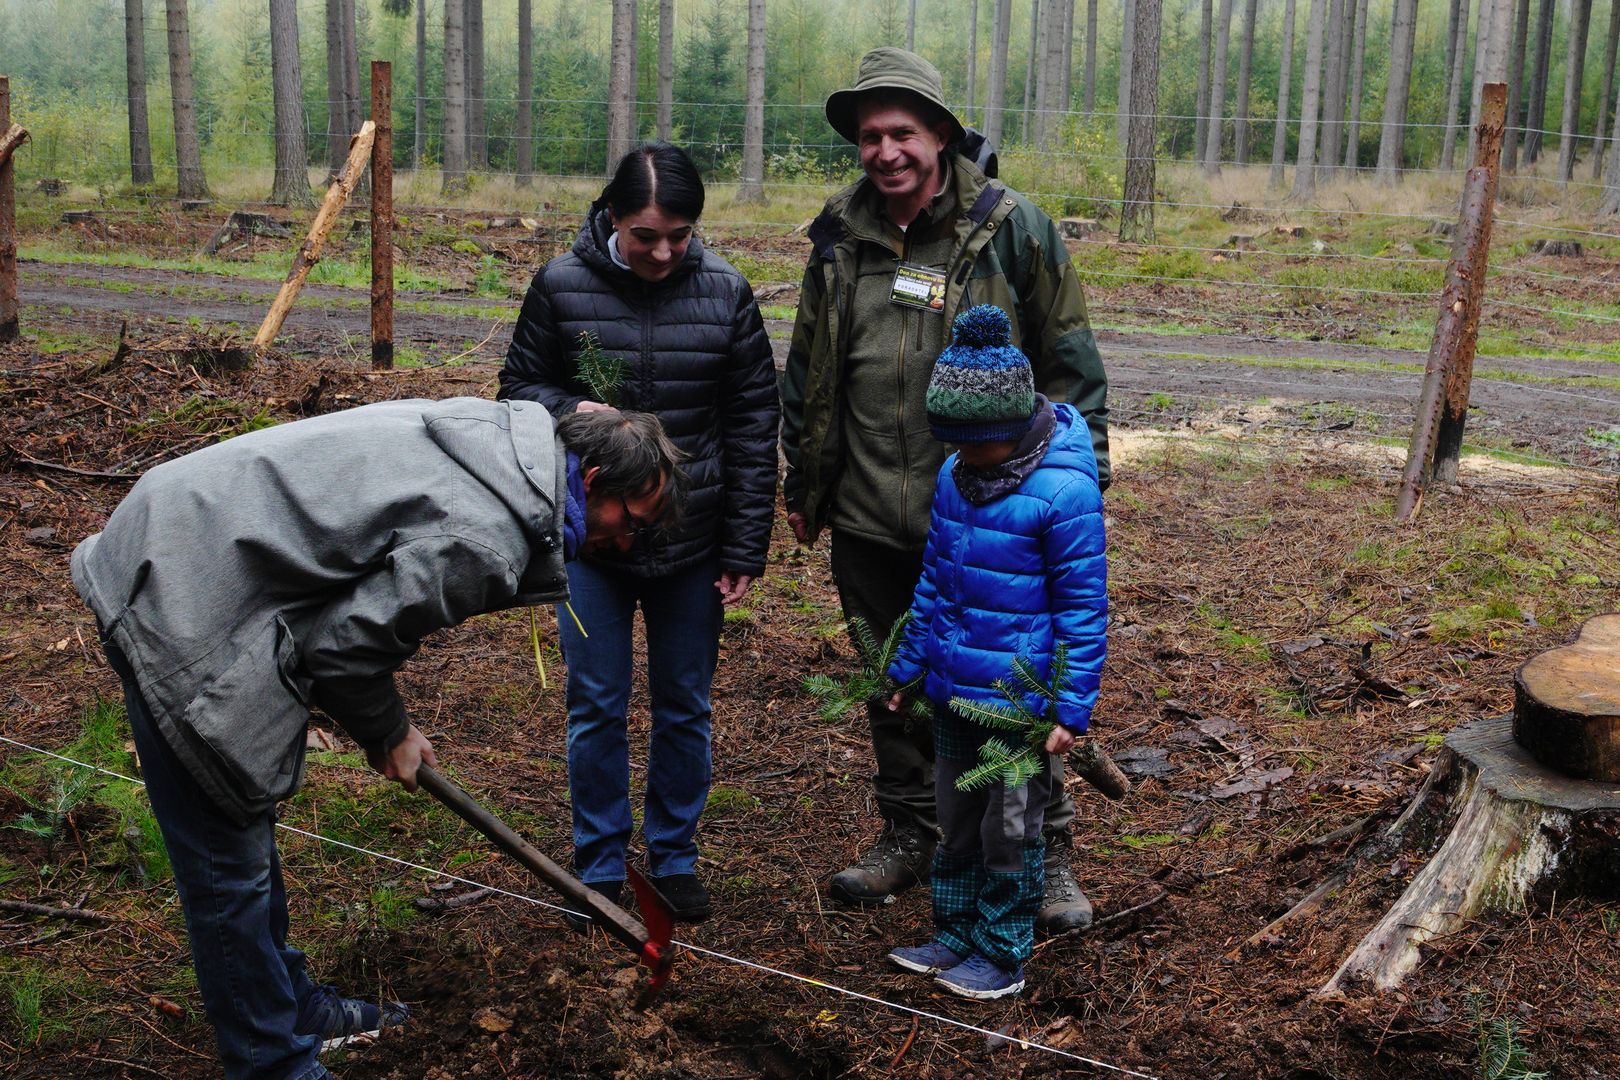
pixel 899 150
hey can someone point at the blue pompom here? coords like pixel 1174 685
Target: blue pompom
pixel 984 325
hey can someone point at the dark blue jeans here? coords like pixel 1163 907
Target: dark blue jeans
pixel 682 615
pixel 229 879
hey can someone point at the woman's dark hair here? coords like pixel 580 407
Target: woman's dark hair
pixel 655 172
pixel 633 452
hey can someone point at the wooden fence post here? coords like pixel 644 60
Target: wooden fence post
pixel 1443 405
pixel 310 253
pixel 8 228
pixel 382 216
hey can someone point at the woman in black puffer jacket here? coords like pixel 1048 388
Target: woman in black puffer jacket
pixel 684 326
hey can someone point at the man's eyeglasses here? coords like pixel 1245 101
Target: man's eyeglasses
pixel 635 526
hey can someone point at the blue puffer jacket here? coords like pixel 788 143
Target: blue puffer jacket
pixel 1015 577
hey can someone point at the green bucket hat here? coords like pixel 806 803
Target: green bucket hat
pixel 888 68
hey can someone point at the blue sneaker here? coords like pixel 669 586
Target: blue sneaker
pixel 981 979
pixel 341 1021
pixel 925 959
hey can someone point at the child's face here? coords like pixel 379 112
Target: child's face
pixel 986 455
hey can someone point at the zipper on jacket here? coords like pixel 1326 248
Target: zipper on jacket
pixel 900 395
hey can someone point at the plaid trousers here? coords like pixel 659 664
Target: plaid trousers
pixel 989 872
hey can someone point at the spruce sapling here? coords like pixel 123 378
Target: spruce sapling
pixel 600 372
pixel 1008 761
pixel 870 680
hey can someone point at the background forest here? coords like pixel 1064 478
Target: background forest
pixel 66 60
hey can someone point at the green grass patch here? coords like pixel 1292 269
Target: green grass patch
pixel 1148 841
pixel 216 416
pixel 40 1003
pixel 729 800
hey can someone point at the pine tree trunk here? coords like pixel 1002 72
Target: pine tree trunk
pixel 1136 212
pixel 1206 26
pixel 455 98
pixel 1049 91
pixel 1599 150
pixel 140 132
pixel 1336 44
pixel 1511 134
pixel 666 69
pixel 1091 57
pixel 1127 51
pixel 523 122
pixel 1536 122
pixel 1454 50
pixel 420 142
pixel 355 109
pixel 753 167
pixel 477 113
pixel 1240 109
pixel 621 82
pixel 1285 77
pixel 337 102
pixel 1611 189
pixel 1580 17
pixel 1217 91
pixel 1066 93
pixel 291 184
pixel 995 97
pixel 351 69
pixel 972 60
pixel 1358 57
pixel 1031 63
pixel 1397 93
pixel 191 184
pixel 1310 99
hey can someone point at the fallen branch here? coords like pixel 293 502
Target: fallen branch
pixel 1310 905
pixel 88 474
pixel 76 914
pixel 434 905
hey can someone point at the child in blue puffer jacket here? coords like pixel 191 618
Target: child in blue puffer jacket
pixel 1015 566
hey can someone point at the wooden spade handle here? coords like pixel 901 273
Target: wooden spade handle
pixel 608 915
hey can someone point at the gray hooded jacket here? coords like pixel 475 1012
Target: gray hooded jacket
pixel 303 564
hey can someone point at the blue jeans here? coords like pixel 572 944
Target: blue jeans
pixel 229 880
pixel 682 613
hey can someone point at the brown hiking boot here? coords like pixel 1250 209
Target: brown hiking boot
pixel 1064 907
pixel 900 859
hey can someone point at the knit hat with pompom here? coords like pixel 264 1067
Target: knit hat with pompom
pixel 982 389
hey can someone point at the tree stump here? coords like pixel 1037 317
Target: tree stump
pixel 1566 708
pixel 1520 830
pixel 1568 248
pixel 1078 228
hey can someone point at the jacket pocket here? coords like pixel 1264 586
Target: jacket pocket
pixel 248 719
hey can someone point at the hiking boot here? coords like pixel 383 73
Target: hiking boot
pixel 1064 907
pixel 341 1021
pixel 688 900
pixel 926 959
pixel 981 979
pixel 579 922
pixel 900 859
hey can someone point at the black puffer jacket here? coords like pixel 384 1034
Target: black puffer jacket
pixel 696 354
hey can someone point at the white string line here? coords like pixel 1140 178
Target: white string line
pixel 1026 1044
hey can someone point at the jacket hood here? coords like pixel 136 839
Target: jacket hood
pixel 1071 441
pixel 511 448
pixel 591 246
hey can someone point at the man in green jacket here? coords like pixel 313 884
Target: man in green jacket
pixel 896 256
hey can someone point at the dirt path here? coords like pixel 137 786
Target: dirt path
pixel 1542 407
